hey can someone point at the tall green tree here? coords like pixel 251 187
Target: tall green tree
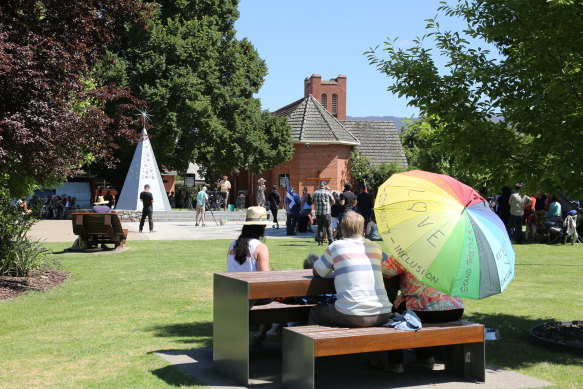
pixel 425 150
pixel 362 171
pixel 514 116
pixel 198 81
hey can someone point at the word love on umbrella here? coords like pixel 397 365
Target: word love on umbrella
pixel 445 234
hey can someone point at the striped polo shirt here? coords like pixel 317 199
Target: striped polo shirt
pixel 356 264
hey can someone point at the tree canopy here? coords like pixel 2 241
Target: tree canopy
pixel 362 171
pixel 53 117
pixel 516 116
pixel 198 81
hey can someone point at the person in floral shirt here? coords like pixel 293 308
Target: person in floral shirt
pixel 428 303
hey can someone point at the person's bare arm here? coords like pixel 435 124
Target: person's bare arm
pixel 368 228
pixel 262 257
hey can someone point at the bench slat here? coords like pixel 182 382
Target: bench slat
pixel 329 342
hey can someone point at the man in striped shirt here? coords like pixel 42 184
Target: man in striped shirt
pixel 323 201
pixel 361 299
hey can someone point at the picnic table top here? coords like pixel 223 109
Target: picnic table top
pixel 287 283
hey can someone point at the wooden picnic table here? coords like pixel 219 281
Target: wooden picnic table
pixel 232 315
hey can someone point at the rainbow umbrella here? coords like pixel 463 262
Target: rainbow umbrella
pixel 445 234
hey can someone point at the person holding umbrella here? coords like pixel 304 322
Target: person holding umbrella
pixel 430 305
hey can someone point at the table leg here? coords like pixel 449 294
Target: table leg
pixel 231 328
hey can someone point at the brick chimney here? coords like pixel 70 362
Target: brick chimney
pixel 331 94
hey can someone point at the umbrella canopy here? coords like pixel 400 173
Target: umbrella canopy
pixel 445 234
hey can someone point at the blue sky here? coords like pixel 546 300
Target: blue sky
pixel 300 37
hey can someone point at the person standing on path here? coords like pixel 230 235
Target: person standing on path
pixel 323 202
pixel 224 187
pixel 261 192
pixel 347 202
pixel 274 199
pixel 147 200
pixel 292 207
pixel 364 203
pixel 517 204
pixel 201 199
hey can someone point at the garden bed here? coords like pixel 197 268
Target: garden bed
pixel 561 336
pixel 38 280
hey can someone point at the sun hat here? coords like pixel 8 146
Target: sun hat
pixel 261 180
pixel 256 216
pixel 101 201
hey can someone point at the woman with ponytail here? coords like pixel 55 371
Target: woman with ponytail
pixel 247 252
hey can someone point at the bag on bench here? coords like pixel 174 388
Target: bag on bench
pixel 407 321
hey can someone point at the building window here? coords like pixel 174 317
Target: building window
pixel 334 103
pixel 282 180
pixel 325 100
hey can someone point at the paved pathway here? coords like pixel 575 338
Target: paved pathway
pixel 62 231
pixel 347 371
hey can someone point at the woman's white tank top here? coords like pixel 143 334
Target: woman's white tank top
pixel 249 265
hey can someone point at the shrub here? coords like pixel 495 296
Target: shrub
pixel 19 254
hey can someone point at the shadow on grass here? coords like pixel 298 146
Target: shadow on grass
pixel 174 376
pixel 296 245
pixel 516 349
pixel 199 333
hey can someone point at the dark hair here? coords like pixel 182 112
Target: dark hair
pixel 241 247
pixel 274 187
pixel 309 261
pixel 347 187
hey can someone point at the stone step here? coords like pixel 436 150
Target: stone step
pixel 189 216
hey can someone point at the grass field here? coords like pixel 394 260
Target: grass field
pixel 101 327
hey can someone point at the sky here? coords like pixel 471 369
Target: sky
pixel 300 37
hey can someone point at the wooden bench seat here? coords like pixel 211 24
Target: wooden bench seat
pixel 99 228
pixel 464 351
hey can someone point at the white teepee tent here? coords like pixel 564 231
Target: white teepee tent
pixel 143 170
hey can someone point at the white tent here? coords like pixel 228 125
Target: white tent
pixel 143 170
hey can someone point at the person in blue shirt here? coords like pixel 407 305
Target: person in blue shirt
pixel 293 209
pixel 201 199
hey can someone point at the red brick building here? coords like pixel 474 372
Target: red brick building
pixel 323 140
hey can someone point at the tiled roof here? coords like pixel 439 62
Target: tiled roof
pixel 379 141
pixel 311 122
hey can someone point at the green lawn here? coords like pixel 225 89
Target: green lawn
pixel 100 328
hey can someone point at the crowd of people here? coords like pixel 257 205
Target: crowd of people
pixel 49 207
pixel 542 215
pixel 326 208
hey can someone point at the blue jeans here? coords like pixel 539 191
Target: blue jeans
pixel 515 227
